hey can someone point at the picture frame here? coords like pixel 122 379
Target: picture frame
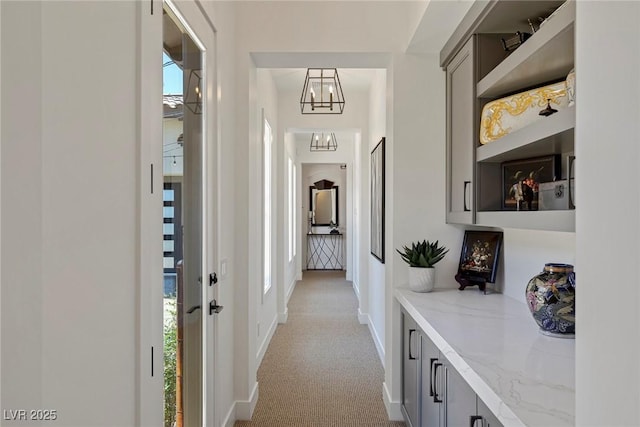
pixel 377 200
pixel 521 178
pixel 479 258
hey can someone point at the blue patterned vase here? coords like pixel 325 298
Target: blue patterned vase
pixel 551 299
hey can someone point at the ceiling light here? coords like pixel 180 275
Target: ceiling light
pixel 322 92
pixel 322 142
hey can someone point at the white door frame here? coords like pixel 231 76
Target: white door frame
pixel 150 312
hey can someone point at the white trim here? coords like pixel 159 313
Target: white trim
pixel 149 405
pixel 363 318
pixel 230 418
pixel 376 339
pixel 267 340
pixel 393 407
pixel 283 317
pixel 292 287
pixel 245 408
pixel 0 195
pixel 356 289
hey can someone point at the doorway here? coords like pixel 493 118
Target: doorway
pixel 188 335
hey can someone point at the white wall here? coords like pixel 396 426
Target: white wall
pixel 69 227
pixel 267 319
pixel 607 225
pixel 373 269
pixel 347 127
pixel 22 257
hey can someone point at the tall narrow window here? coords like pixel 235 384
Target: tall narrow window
pixel 267 138
pixel 291 208
pixel 295 203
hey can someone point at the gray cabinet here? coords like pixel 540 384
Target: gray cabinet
pixel 433 390
pixel 434 394
pixel 410 371
pixel 478 71
pixel 460 403
pixel 461 110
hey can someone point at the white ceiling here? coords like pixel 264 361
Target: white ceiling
pixel 350 78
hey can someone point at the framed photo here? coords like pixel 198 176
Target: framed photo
pixel 377 201
pixel 521 178
pixel 479 256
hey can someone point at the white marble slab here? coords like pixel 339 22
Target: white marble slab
pixel 524 377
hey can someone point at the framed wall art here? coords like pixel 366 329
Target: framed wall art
pixel 479 258
pixel 377 201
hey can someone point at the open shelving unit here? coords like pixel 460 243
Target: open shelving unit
pixel 548 55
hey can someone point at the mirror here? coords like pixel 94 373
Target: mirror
pixel 324 206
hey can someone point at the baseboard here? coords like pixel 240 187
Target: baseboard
pixel 394 411
pixel 376 340
pixel 363 318
pixel 230 418
pixel 356 289
pixel 267 340
pixel 292 286
pixel 244 408
pixel 283 317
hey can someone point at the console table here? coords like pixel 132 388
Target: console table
pixel 324 251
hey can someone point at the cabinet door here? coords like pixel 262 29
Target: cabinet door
pixel 461 134
pixel 410 370
pixel 489 420
pixel 431 396
pixel 460 402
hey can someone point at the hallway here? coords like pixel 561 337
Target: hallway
pixel 321 367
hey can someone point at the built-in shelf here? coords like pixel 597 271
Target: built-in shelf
pixel 546 56
pixel 548 135
pixel 558 220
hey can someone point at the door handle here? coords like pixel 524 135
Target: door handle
pixel 214 307
pixel 194 308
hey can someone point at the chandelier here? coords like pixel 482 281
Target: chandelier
pixel 320 142
pixel 322 92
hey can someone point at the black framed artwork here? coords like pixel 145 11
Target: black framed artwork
pixel 377 201
pixel 479 258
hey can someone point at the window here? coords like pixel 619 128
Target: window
pixel 291 209
pixel 266 249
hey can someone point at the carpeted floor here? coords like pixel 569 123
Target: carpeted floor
pixel 321 368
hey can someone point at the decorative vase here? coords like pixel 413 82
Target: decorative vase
pixel 421 279
pixel 551 300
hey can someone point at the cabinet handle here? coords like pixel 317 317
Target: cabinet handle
pixel 436 398
pixel 432 362
pixel 411 331
pixel 571 177
pixel 474 418
pixel 464 196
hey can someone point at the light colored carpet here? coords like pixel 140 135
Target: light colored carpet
pixel 321 368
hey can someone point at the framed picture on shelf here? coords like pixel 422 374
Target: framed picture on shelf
pixel 377 201
pixel 521 180
pixel 479 258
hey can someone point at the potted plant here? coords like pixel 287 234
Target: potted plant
pixel 421 258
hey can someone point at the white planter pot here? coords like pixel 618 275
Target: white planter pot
pixel 422 279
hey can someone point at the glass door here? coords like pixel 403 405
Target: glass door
pixel 183 124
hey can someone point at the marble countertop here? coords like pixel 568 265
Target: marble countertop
pixel 524 377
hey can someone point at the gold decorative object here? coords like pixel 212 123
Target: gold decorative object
pixel 506 115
